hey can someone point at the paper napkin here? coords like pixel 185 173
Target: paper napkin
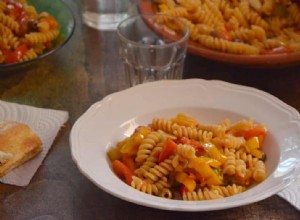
pixel 292 194
pixel 45 123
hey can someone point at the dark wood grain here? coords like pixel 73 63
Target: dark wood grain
pixel 83 72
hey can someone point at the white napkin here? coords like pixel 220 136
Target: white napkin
pixel 45 123
pixel 292 194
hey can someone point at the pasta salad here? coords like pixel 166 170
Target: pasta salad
pixel 182 158
pixel 247 27
pixel 25 33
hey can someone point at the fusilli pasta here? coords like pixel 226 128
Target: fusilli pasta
pixel 239 27
pixel 196 160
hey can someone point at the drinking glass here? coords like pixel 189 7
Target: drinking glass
pixel 105 14
pixel 152 47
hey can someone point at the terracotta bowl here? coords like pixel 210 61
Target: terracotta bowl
pixel 269 60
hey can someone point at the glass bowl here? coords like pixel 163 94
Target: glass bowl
pixel 65 18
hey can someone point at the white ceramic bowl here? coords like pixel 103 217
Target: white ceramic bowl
pixel 117 115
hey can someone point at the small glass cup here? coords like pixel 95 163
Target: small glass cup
pixel 105 14
pixel 152 47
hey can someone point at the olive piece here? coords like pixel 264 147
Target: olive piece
pixel 32 24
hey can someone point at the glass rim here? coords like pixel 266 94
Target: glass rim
pixel 183 38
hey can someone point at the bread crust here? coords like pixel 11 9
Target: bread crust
pixel 19 140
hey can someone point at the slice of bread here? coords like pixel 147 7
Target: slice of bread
pixel 20 141
pixel 4 157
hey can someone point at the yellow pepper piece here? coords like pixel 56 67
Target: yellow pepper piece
pixel 131 145
pixel 253 143
pixel 187 117
pixel 214 153
pixel 163 7
pixel 184 120
pixel 205 171
pixel 240 126
pixel 114 154
pixel 186 180
pixel 211 162
pixel 257 153
pixel 121 143
pixel 252 147
pixel 144 131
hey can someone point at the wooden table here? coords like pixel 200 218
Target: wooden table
pixel 83 72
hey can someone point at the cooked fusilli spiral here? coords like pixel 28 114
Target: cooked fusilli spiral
pixel 41 37
pixel 29 55
pixel 162 124
pixel 193 133
pixel 240 168
pixel 2 6
pixel 230 164
pixel 205 194
pixel 229 190
pixel 259 171
pixel 149 163
pixel 227 46
pixel 161 170
pixel 9 22
pixel 147 145
pixel 144 186
pixel 186 151
pixel 229 141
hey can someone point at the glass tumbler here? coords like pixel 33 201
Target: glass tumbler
pixel 105 14
pixel 152 47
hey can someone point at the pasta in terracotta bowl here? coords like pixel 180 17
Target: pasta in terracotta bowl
pixel 251 32
pixel 31 30
pixel 210 151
